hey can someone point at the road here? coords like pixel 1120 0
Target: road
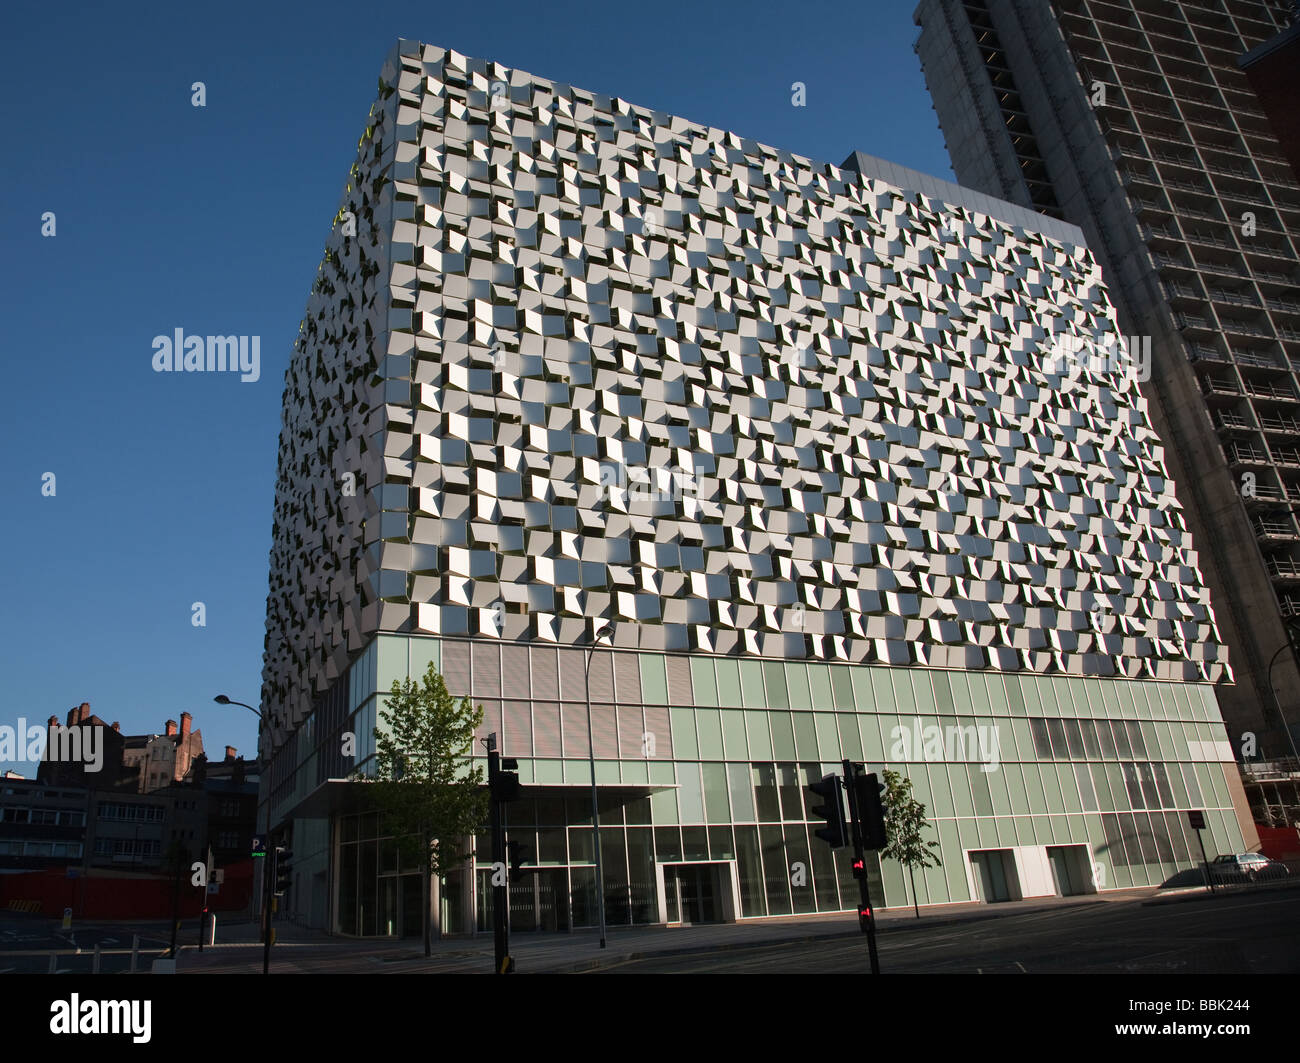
pixel 1243 934
pixel 1249 932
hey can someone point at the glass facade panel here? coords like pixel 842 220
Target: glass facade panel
pixel 742 793
pixel 842 687
pixel 782 736
pixel 641 875
pixel 690 794
pixel 1083 780
pixel 749 865
pixel 728 673
pixel 760 735
pixel 704 686
pixel 708 723
pixel 778 696
pixel 796 678
pixel 769 805
pixel 716 805
pixel 805 736
pixel 791 789
pixel 751 685
pixel 819 683
pixel 668 844
pixel 776 871
pixel 733 735
pixel 802 884
pixel 685 743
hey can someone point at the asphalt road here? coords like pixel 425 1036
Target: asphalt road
pixel 1244 934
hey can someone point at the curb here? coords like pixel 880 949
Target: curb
pixel 1203 893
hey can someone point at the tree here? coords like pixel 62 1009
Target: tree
pixel 427 791
pixel 904 824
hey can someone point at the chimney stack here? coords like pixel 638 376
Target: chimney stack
pixel 230 753
pixel 117 726
pixel 171 728
pixel 186 719
pixel 53 721
pixel 83 712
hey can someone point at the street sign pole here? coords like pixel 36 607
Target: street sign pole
pixel 866 915
pixel 500 895
pixel 1196 820
pixel 268 889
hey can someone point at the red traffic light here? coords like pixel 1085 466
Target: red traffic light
pixel 859 867
pixel 865 916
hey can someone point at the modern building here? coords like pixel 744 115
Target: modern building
pixel 1137 121
pixel 797 462
pixel 40 825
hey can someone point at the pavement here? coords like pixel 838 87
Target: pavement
pixel 303 950
pixel 306 951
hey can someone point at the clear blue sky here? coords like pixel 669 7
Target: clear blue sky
pixel 214 220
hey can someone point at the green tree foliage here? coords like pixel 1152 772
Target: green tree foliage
pixel 423 783
pixel 905 823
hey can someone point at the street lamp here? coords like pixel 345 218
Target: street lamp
pixel 1277 702
pixel 595 811
pixel 267 884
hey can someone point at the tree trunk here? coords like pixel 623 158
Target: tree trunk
pixel 911 874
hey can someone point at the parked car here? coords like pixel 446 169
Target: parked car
pixel 1251 866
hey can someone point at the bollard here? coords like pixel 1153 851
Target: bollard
pixel 94 966
pixel 210 930
pixel 54 963
pixel 135 952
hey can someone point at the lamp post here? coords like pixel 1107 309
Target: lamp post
pixel 267 884
pixel 1277 702
pixel 595 810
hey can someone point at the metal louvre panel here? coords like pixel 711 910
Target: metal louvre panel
pixel 602 676
pixel 656 723
pixel 604 729
pixel 455 668
pixel 545 672
pixel 491 720
pixel 573 664
pixel 546 730
pixel 627 679
pixel 517 730
pixel 575 729
pixel 514 671
pixel 631 729
pixel 487 669
pixel 679 681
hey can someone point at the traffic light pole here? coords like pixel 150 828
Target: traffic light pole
pixel 500 895
pixel 866 915
pixel 268 891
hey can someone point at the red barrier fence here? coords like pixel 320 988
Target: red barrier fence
pixel 108 894
pixel 1280 843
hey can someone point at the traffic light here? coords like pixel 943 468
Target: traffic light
pixel 505 786
pixel 866 917
pixel 835 833
pixel 283 872
pixel 868 790
pixel 520 853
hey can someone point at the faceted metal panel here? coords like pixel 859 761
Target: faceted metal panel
pixel 595 369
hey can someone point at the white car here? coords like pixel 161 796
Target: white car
pixel 1252 866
